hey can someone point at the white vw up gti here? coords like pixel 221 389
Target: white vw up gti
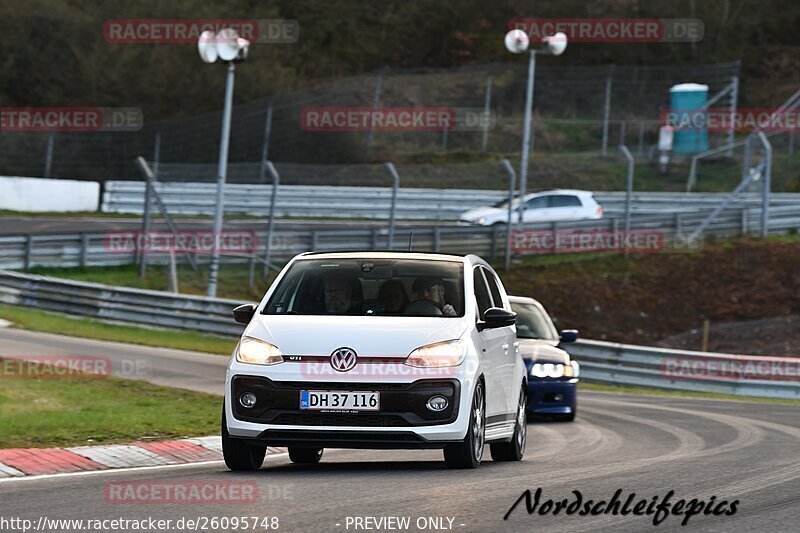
pixel 377 350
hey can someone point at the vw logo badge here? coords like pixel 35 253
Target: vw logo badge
pixel 343 359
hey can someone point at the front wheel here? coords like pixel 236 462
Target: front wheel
pixel 240 456
pixel 468 453
pixel 514 450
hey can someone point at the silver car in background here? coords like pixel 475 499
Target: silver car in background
pixel 547 206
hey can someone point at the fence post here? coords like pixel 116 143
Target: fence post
pixel 511 187
pixel 48 157
pixel 265 148
pixel 437 238
pixel 276 182
pixel 84 249
pixel 28 251
pixel 628 195
pixel 607 111
pixel 314 237
pixel 487 102
pixel 395 186
pixel 493 255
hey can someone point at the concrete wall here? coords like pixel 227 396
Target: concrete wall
pixel 40 194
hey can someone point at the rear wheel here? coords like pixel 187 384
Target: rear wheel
pixel 468 453
pixel 514 450
pixel 305 456
pixel 240 456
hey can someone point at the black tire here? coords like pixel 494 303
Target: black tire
pixel 468 453
pixel 240 456
pixel 305 456
pixel 515 449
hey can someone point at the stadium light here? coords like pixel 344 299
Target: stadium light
pixel 229 47
pixel 517 42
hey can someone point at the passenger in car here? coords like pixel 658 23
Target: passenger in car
pixel 432 288
pixel 392 295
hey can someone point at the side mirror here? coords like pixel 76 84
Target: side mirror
pixel 243 314
pixel 568 335
pixel 497 317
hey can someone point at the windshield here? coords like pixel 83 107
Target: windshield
pixel 370 287
pixel 532 323
pixel 504 203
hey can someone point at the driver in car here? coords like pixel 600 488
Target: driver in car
pixel 431 288
pixel 339 295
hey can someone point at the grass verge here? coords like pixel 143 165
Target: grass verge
pixel 36 320
pixel 630 389
pixel 79 411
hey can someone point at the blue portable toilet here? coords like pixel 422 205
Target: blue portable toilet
pixel 684 99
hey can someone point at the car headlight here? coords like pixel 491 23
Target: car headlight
pixel 256 352
pixel 480 221
pixel 448 353
pixel 551 370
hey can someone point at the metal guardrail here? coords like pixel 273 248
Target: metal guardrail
pixel 182 198
pixel 604 362
pixel 665 368
pixel 120 304
pixel 90 249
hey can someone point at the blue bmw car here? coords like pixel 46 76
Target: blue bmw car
pixel 552 374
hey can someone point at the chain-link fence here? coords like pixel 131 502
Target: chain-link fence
pixel 576 109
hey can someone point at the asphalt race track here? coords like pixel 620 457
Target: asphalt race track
pixel 646 445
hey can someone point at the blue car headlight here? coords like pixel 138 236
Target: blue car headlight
pixel 555 370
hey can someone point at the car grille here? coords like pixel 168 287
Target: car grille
pixel 340 419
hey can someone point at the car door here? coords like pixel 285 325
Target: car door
pixel 565 207
pixel 491 341
pixel 537 209
pixel 508 364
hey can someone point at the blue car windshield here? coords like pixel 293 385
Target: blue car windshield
pixel 532 324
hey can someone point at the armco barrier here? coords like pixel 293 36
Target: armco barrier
pixel 89 249
pixel 665 368
pixel 603 362
pixel 121 304
pixel 374 202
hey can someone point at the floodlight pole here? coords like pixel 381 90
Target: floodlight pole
pixel 526 136
pixel 224 141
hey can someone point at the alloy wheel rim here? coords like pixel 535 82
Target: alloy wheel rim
pixel 477 424
pixel 521 421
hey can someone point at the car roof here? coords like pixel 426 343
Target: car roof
pixel 394 254
pixel 576 192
